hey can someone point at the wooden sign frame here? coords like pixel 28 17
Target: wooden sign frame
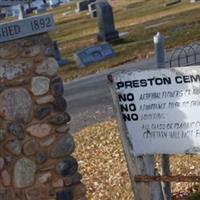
pixel 141 168
pixel 143 165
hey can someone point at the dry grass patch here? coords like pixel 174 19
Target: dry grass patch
pixel 102 163
pixel 77 31
pixel 103 166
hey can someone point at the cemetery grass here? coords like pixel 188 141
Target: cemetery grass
pixel 102 163
pixel 180 24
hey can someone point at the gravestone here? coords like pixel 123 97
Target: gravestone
pixel 54 4
pixel 9 12
pixel 83 5
pixel 92 10
pixel 35 144
pixel 57 56
pixel 11 2
pixel 107 31
pixel 44 5
pixel 2 16
pixel 40 10
pixel 94 54
pixel 21 12
pixel 19 8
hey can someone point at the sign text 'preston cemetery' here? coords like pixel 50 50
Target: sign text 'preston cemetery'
pixel 11 2
pixel 161 109
pixel 26 27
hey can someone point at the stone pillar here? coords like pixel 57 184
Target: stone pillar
pixel 36 147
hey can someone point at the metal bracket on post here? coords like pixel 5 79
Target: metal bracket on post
pixel 160 61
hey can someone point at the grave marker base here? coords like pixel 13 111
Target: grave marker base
pixel 108 36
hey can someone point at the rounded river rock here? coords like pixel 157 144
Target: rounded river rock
pixel 48 67
pixel 39 130
pixel 30 147
pixel 17 130
pixel 63 147
pixel 60 104
pixel 59 118
pixel 42 111
pixel 40 85
pixel 67 167
pixel 24 173
pixel 16 104
pixel 56 87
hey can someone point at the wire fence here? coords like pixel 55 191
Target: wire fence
pixel 185 56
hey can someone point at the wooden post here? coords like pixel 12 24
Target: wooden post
pixel 141 165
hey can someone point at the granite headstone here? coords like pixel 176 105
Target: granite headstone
pixel 94 54
pixel 2 16
pixel 40 10
pixel 83 5
pixel 57 56
pixel 21 13
pixel 11 2
pixel 107 31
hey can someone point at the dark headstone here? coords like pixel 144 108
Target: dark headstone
pixel 92 1
pixel 2 16
pixel 83 5
pixel 57 56
pixel 94 54
pixel 22 14
pixel 45 5
pixel 40 10
pixel 30 10
pixel 107 31
pixel 93 14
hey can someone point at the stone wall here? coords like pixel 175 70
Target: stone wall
pixel 35 144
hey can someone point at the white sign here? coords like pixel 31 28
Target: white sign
pixel 161 109
pixel 11 2
pixel 26 27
